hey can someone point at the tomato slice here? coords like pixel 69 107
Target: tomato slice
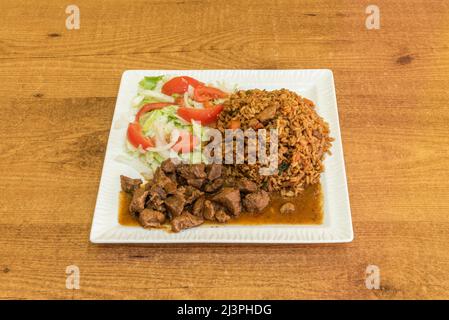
pixel 179 85
pixel 136 138
pixel 150 107
pixel 186 143
pixel 205 116
pixel 204 93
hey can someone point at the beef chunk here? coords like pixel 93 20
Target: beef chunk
pixel 267 114
pixel 129 185
pixel 230 182
pixel 185 221
pixel 247 186
pixel 198 206
pixel 156 204
pixel 173 177
pixel 214 185
pixel 138 201
pixel 197 183
pixel 230 199
pixel 190 193
pixel 168 166
pixel 149 218
pixel 256 201
pixel 156 189
pixel 192 171
pixel 163 181
pixel 213 171
pixel 156 198
pixel 221 216
pixel 255 124
pixel 215 212
pixel 287 207
pixel 317 134
pixel 209 210
pixel 175 204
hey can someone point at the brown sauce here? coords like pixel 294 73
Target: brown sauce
pixel 124 217
pixel 308 210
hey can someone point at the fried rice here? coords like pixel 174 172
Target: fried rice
pixel 303 138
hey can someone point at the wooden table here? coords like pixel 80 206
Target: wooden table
pixel 57 95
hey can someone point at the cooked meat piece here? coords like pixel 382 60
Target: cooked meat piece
pixel 156 189
pixel 213 171
pixel 317 134
pixel 163 181
pixel 175 204
pixel 246 185
pixel 230 182
pixel 129 185
pixel 190 193
pixel 156 198
pixel 267 114
pixel 168 166
pixel 198 206
pixel 214 185
pixel 197 183
pixel 221 216
pixel 180 180
pixel 256 201
pixel 138 201
pixel 173 177
pixel 155 204
pixel 149 218
pixel 230 199
pixel 185 221
pixel 170 187
pixel 192 171
pixel 209 210
pixel 255 124
pixel 287 208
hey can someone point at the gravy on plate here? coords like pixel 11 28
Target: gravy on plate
pixel 308 210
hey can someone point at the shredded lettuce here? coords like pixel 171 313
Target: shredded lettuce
pixel 165 117
pixel 149 83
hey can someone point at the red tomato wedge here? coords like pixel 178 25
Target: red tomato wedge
pixel 203 93
pixel 205 116
pixel 186 143
pixel 150 107
pixel 136 138
pixel 179 85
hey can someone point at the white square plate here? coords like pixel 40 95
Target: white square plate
pixel 317 85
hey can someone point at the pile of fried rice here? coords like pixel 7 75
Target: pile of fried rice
pixel 303 138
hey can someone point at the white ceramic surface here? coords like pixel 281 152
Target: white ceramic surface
pixel 317 85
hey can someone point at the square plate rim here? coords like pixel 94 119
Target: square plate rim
pixel 102 238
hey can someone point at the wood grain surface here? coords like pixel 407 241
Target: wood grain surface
pixel 57 95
